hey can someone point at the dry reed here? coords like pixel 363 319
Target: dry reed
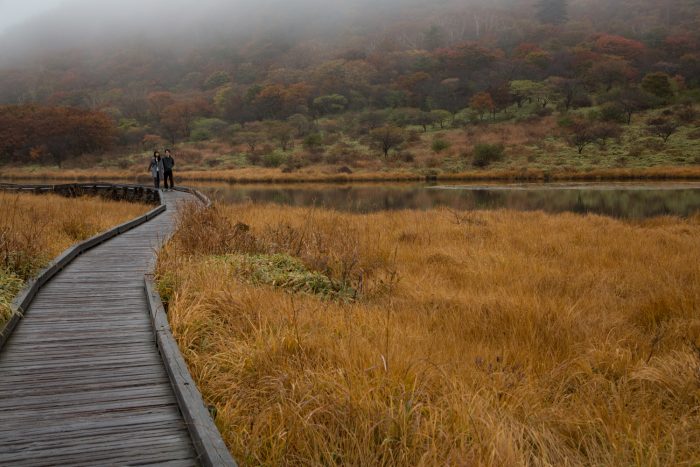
pixel 36 228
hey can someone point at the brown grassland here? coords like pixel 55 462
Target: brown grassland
pixel 440 337
pixel 36 228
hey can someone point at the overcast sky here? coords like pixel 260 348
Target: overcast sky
pixel 14 12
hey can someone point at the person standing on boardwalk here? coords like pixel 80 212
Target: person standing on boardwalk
pixel 156 168
pixel 168 165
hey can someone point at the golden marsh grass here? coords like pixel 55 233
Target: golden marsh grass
pixel 475 338
pixel 36 228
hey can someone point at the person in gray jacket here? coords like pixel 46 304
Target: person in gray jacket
pixel 168 165
pixel 156 168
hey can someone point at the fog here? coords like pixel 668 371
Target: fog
pixel 31 27
pixel 14 12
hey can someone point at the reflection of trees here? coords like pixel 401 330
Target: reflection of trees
pixel 618 203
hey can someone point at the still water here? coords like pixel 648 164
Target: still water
pixel 623 200
pixel 631 200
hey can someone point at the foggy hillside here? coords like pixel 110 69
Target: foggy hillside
pixel 90 26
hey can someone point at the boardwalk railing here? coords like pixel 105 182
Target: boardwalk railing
pixel 210 447
pixel 136 193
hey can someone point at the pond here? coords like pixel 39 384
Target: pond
pixel 623 200
pixel 629 200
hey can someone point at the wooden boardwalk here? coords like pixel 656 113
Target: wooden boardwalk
pixel 81 379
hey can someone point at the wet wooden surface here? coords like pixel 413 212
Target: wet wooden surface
pixel 81 379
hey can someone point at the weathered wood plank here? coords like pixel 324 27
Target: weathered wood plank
pixel 116 421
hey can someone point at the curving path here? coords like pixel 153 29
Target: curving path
pixel 81 379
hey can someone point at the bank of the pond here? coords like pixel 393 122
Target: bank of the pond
pixel 440 336
pixel 332 175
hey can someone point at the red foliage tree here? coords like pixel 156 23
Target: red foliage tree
pixel 620 46
pixel 28 131
pixel 482 103
pixel 158 102
pixel 178 117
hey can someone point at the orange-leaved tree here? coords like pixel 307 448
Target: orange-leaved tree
pixel 34 132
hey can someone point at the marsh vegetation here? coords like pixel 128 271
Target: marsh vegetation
pixel 36 228
pixel 496 338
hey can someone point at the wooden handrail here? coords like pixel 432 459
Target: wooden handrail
pixel 125 192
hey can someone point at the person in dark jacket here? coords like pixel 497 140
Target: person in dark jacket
pixel 168 165
pixel 156 168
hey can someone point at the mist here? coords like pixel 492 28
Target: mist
pixel 90 25
pixel 13 12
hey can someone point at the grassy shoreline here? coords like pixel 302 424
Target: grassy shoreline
pixel 264 176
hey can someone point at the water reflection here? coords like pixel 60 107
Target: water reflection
pixel 632 200
pixel 624 201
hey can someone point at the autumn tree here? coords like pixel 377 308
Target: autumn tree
pixel 482 103
pixel 449 94
pixel 313 143
pixel 424 119
pixel 610 73
pixel 251 135
pixel 387 138
pixel 662 127
pixel 330 104
pixel 441 117
pixel 631 100
pixel 158 102
pixel 277 101
pixel 302 126
pixel 371 119
pixel 611 44
pixel 521 91
pixel 658 84
pixel 501 96
pixel 178 117
pixel 281 132
pixel 270 101
pixel 416 86
pixel 466 59
pixel 33 132
pixel 567 89
pixel 582 132
pixel 216 80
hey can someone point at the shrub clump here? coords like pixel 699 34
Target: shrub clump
pixel 273 160
pixel 485 154
pixel 286 272
pixel 439 145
